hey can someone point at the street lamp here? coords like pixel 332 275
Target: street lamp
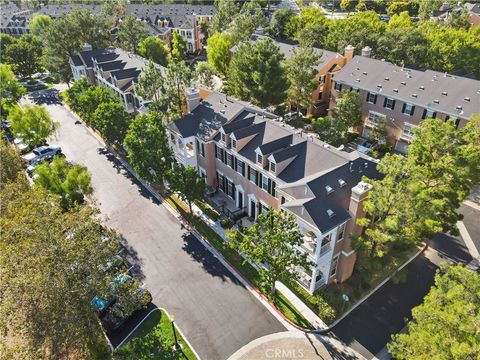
pixel 176 346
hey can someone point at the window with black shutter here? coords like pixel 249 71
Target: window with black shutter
pixel 371 98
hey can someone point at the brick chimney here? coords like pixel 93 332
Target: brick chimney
pixel 348 54
pixel 359 194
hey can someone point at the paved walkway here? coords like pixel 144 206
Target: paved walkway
pixel 294 345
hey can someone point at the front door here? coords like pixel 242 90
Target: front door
pixel 240 199
pixel 253 207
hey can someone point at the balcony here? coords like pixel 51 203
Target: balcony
pixel 406 136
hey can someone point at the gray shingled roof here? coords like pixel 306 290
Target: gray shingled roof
pixel 339 199
pixel 401 83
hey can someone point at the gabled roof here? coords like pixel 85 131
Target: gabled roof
pixel 276 144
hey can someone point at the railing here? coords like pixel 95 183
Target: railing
pixel 406 136
pixel 324 249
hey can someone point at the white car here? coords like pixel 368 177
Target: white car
pixel 42 153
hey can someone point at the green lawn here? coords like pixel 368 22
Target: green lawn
pixel 153 339
pixel 280 301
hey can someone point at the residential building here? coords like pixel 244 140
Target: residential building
pixel 160 20
pixel 115 69
pixel 329 64
pixel 251 161
pixel 473 13
pixel 404 97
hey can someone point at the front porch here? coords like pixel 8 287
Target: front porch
pixel 226 205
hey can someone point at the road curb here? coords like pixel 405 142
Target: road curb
pixel 170 317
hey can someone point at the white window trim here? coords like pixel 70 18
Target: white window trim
pixel 264 177
pixel 409 113
pixel 386 104
pixel 336 266
pixel 368 98
pixel 243 166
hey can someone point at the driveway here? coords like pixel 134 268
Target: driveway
pixel 369 327
pixel 215 312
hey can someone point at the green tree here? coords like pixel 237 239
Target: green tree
pixel 177 80
pixel 219 45
pixel 111 119
pixel 11 165
pixel 459 19
pixel 39 23
pixel 90 99
pixel 154 49
pixel 397 7
pixel 349 108
pixel 31 123
pixel 179 47
pixel 273 241
pixel 250 18
pixel 445 325
pixel 151 86
pixel 348 5
pixel 226 11
pixel 330 129
pixel 204 73
pixel 74 93
pixel 279 21
pixel 309 27
pixel 301 74
pixel 147 145
pixel 131 32
pixel 360 30
pixel 70 182
pixel 256 73
pixel 46 291
pixel 24 55
pixel 65 37
pixel 427 7
pixel 114 8
pixel 10 89
pixel 186 182
pixel 5 40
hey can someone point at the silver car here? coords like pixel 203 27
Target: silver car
pixel 42 153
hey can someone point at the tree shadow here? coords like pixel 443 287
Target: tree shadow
pixel 210 263
pixel 134 261
pixel 335 352
pixel 45 97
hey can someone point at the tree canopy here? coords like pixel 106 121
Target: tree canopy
pixel 179 47
pixel 10 89
pixel 148 151
pixel 154 49
pixel 186 182
pixel 31 123
pixel 131 32
pixel 219 45
pixel 11 165
pixel 272 241
pixel 111 119
pixel 70 182
pixel 446 325
pixel 50 265
pixel 39 23
pixel 24 55
pixel 256 73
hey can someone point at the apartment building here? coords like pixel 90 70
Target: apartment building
pixel 115 69
pixel 160 20
pixel 329 64
pixel 251 161
pixel 404 97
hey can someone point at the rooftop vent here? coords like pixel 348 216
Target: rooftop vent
pixel 436 101
pixel 379 86
pixel 395 90
pixel 341 182
pixel 329 189
pixel 365 73
pixel 357 80
pixel 330 213
pixel 365 164
pixel 444 93
pixel 422 87
pixel 467 99
pixel 459 108
pixel 222 111
pixel 403 83
pixel 387 78
pixel 414 95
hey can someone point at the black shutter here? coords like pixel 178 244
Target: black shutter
pixel 248 172
pixel 269 186
pixel 197 145
pixel 243 168
pixel 413 111
pixel 257 177
pixel 424 114
pixel 216 151
pixel 447 118
pixel 385 102
pixel 434 115
pixel 272 190
pixel 368 97
pixel 403 108
pixel 235 163
pixel 393 104
pixel 224 156
pixel 234 192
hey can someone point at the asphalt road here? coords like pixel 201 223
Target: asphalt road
pixel 369 327
pixel 215 312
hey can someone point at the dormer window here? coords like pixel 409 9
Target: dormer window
pixel 259 159
pixel 272 166
pixel 329 189
pixel 234 144
pixel 223 137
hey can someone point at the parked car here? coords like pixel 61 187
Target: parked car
pixel 34 164
pixel 365 146
pixel 42 152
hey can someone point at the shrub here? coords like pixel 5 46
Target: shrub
pixel 226 223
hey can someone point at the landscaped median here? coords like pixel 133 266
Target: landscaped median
pixel 249 273
pixel 154 339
